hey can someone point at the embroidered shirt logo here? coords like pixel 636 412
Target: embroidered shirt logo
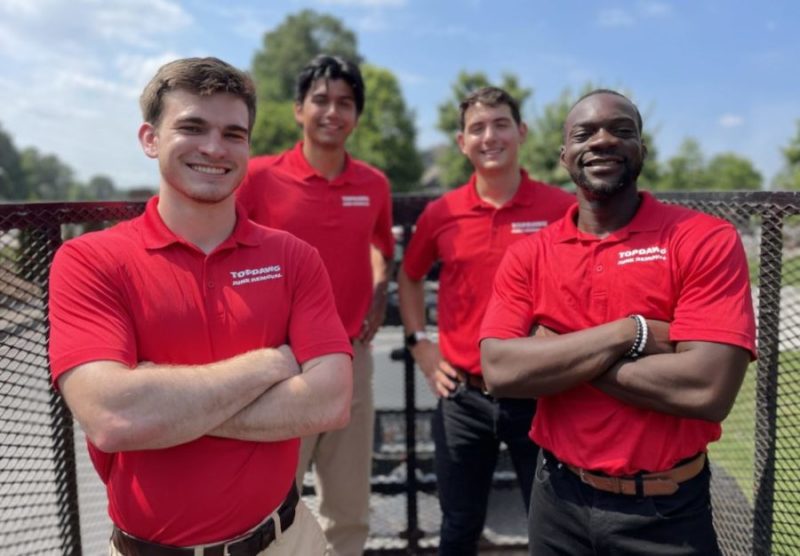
pixel 250 275
pixel 644 255
pixel 527 227
pixel 355 200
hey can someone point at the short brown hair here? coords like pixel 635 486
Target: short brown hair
pixel 200 76
pixel 489 96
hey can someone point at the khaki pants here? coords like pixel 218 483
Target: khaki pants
pixel 303 537
pixel 343 464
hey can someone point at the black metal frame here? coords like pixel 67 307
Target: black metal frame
pixel 769 209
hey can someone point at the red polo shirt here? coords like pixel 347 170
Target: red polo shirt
pixel 340 217
pixel 137 292
pixel 670 263
pixel 470 236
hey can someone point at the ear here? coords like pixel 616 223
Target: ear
pixel 523 131
pixel 298 113
pixel 148 138
pixel 644 151
pixel 561 157
pixel 460 141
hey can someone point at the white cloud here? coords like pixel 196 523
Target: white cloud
pixel 731 120
pixel 618 17
pixel 615 18
pixel 654 9
pixel 136 22
pixel 374 22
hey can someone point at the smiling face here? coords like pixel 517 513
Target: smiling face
pixel 327 114
pixel 201 143
pixel 603 150
pixel 491 137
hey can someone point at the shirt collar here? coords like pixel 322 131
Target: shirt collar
pixel 302 169
pixel 525 195
pixel 157 235
pixel 647 218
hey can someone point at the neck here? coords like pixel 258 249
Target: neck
pixel 329 162
pixel 603 216
pixel 498 188
pixel 205 225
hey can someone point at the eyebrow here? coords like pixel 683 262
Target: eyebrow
pixel 202 122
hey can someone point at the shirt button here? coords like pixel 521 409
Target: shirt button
pixel 599 268
pixel 210 284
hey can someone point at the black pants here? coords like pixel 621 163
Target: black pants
pixel 467 430
pixel 570 518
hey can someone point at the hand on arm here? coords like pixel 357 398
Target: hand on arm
pixel 381 271
pixel 316 400
pixel 547 363
pixel 699 380
pixel 158 406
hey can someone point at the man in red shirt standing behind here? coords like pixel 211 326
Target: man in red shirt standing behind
pixel 469 229
pixel 341 206
pixel 643 329
pixel 168 340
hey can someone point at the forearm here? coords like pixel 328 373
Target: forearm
pixel 412 302
pixel 158 406
pixel 540 366
pixel 314 401
pixel 685 384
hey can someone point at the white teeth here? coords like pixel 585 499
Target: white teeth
pixel 208 169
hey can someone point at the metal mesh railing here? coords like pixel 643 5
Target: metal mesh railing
pixel 45 474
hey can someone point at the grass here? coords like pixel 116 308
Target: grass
pixel 790 273
pixel 735 451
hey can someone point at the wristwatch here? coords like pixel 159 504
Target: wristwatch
pixel 415 337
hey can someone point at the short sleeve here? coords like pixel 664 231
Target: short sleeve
pixel 421 251
pixel 89 316
pixel 510 310
pixel 315 328
pixel 382 237
pixel 715 301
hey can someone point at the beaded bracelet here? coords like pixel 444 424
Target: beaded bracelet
pixel 640 341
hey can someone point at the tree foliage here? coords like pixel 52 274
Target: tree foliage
pixel 385 136
pixel 12 177
pixel 789 176
pixel 32 176
pixel 688 170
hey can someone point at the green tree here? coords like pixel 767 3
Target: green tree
pixel 789 176
pixel 455 168
pixel 385 136
pixel 686 170
pixel 12 177
pixel 285 51
pixel 99 188
pixel 729 171
pixel 48 179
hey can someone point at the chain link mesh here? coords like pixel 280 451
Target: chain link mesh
pixel 45 473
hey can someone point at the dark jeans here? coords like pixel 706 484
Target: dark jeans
pixel 467 430
pixel 571 518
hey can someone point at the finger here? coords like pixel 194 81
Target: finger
pixel 447 369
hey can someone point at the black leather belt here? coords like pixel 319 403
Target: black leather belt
pixel 249 545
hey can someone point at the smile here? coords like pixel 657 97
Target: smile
pixel 214 171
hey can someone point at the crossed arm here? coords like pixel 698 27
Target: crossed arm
pixel 259 395
pixel 688 379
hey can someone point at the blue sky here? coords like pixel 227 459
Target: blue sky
pixel 722 71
